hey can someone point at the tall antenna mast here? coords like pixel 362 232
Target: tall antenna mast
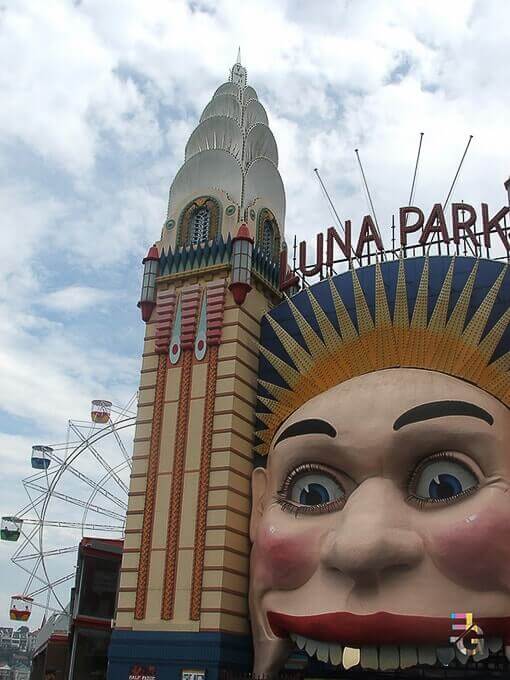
pixel 445 202
pixel 369 197
pixel 413 184
pixel 333 208
pixel 329 199
pixel 367 190
pixel 457 173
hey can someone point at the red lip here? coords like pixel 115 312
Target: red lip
pixel 381 628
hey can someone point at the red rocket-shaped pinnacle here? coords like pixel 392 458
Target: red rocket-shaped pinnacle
pixel 152 254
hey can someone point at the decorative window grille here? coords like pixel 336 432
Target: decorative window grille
pixel 267 239
pixel 200 226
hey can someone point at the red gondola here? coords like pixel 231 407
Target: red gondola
pixel 21 608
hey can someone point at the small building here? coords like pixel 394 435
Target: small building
pixel 15 640
pixel 15 649
pixel 5 672
pixel 75 646
pixel 20 639
pixel 6 637
pixel 93 606
pixel 21 672
pixel 51 649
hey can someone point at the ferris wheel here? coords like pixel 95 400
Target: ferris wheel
pixel 77 488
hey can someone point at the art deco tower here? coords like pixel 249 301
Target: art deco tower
pixel 183 600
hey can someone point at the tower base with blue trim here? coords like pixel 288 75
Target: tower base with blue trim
pixel 172 652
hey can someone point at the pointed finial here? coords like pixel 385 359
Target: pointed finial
pixel 238 72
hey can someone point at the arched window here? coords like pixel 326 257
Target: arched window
pixel 267 239
pixel 199 222
pixel 268 234
pixel 200 227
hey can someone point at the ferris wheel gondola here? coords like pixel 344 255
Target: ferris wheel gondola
pixel 21 607
pixel 41 457
pixel 77 488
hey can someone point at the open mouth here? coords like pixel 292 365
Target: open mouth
pixel 385 641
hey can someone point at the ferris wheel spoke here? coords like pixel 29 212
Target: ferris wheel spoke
pixel 19 556
pixel 34 576
pixel 125 454
pixel 37 558
pixel 46 553
pixel 46 607
pixel 28 541
pixel 31 506
pixel 30 573
pixel 103 462
pixel 41 474
pixel 37 501
pixel 83 504
pixel 83 477
pixel 76 525
pixel 125 410
pixel 53 584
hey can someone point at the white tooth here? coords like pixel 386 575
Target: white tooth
pixel 408 656
pixel 482 653
pixel 463 658
pixel 311 647
pixel 299 640
pixel 335 654
pixel 351 657
pixel 323 651
pixel 427 655
pixel 370 658
pixel 445 655
pixel 494 644
pixel 507 652
pixel 388 657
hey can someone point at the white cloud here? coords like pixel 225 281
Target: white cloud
pixel 74 299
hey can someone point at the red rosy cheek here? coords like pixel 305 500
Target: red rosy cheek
pixel 475 551
pixel 286 556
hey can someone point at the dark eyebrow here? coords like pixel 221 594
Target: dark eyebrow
pixel 438 409
pixel 309 426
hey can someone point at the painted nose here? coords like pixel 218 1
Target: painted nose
pixel 372 534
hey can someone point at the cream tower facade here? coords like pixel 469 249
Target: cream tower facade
pixel 183 597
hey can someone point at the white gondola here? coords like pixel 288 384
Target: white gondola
pixel 10 528
pixel 100 411
pixel 41 457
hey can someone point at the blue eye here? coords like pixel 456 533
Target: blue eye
pixel 442 479
pixel 315 489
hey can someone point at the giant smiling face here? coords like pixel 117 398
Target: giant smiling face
pixel 384 507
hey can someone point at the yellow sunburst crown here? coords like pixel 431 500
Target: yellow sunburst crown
pixel 447 314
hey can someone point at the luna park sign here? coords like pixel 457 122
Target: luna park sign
pixel 415 229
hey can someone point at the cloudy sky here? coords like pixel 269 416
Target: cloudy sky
pixel 98 100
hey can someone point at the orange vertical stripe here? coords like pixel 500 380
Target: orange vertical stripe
pixel 150 494
pixel 203 484
pixel 174 514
